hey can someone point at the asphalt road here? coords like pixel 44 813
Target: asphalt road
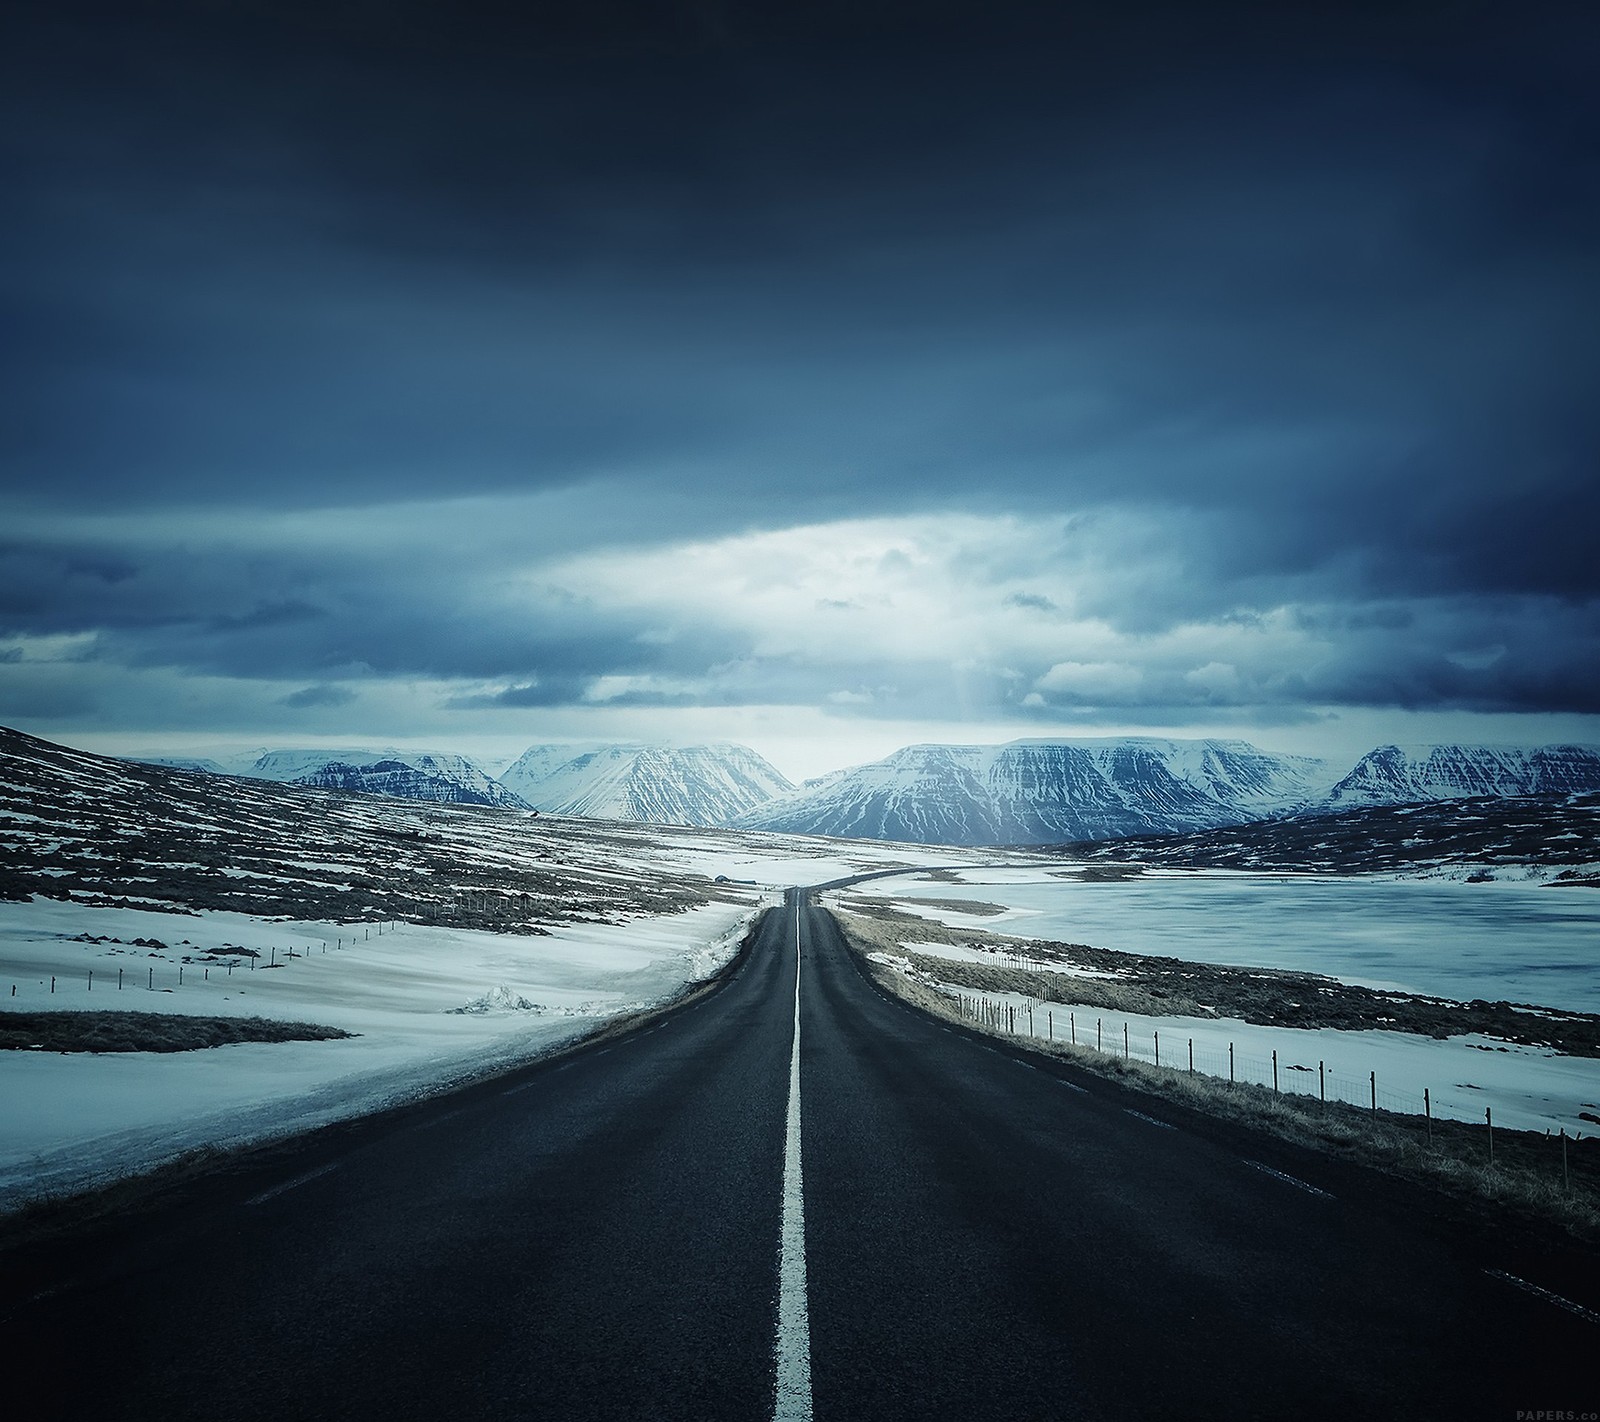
pixel 598 1237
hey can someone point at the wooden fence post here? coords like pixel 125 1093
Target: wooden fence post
pixel 1274 1071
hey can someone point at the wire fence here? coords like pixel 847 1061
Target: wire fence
pixel 1045 1019
pixel 190 969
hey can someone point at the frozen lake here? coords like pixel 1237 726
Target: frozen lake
pixel 1519 942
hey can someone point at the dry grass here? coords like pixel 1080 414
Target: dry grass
pixel 1524 1181
pixel 146 1031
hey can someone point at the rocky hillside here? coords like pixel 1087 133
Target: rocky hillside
pixel 1555 837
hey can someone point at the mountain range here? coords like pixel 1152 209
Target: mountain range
pixel 1041 792
pixel 1025 792
pixel 694 785
pixel 1035 792
pixel 701 786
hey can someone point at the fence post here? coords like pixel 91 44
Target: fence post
pixel 119 979
pixel 1097 1037
pixel 1427 1110
pixel 180 974
pixel 1274 1071
pixel 91 979
pixel 1488 1120
pixel 1072 1025
pixel 1374 1093
pixel 152 983
pixel 1124 1041
pixel 1050 1025
pixel 52 982
pixel 1322 1080
pixel 1158 1049
pixel 1191 1056
pixel 1230 1063
pixel 1566 1180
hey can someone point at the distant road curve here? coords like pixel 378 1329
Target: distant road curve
pixel 975 1233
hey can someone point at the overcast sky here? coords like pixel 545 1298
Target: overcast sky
pixel 823 377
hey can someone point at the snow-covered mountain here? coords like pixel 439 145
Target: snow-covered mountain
pixel 185 762
pixel 537 764
pixel 411 775
pixel 410 782
pixel 1032 792
pixel 1399 775
pixel 692 785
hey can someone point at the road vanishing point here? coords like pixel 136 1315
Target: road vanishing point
pixel 792 1197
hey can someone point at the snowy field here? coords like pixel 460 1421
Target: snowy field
pixel 1514 942
pixel 1499 942
pixel 430 1006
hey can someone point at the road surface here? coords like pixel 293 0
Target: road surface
pixel 900 1220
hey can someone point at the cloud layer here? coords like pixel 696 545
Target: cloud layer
pixel 1030 366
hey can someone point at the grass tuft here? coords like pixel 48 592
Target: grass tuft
pixel 146 1031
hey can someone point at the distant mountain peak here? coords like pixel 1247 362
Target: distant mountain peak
pixel 1406 774
pixel 660 784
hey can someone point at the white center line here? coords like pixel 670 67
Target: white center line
pixel 1587 1314
pixel 305 1179
pixel 524 1086
pixel 792 1402
pixel 1288 1179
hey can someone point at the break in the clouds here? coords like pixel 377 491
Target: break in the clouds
pixel 1026 367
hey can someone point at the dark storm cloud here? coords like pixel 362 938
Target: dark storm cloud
pixel 314 696
pixel 1315 286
